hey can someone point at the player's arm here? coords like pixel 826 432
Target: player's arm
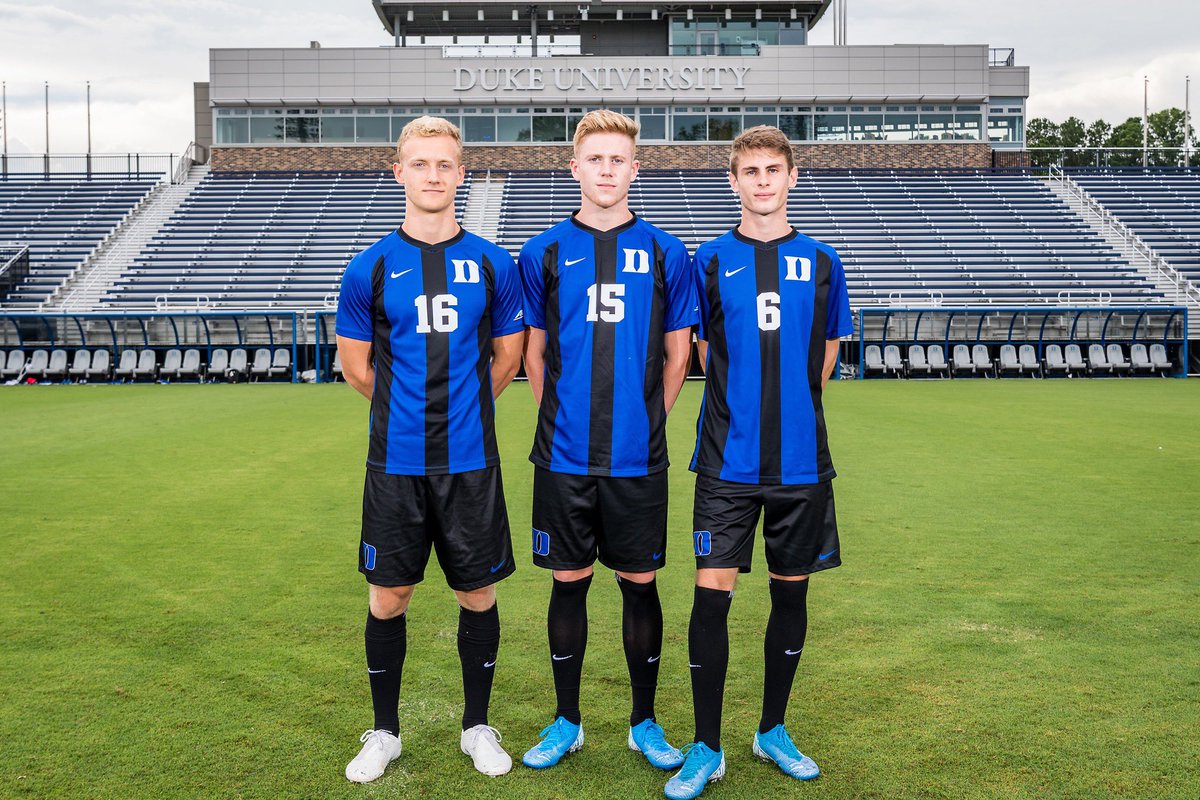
pixel 506 360
pixel 702 354
pixel 535 360
pixel 358 368
pixel 831 357
pixel 677 350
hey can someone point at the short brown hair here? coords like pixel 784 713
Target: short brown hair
pixel 430 126
pixel 604 121
pixel 762 137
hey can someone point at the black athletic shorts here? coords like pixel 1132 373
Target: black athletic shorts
pixel 462 516
pixel 799 526
pixel 577 518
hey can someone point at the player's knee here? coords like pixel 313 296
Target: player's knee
pixel 723 579
pixel 637 577
pixel 477 599
pixel 388 602
pixel 571 575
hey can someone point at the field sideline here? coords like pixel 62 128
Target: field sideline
pixel 1017 617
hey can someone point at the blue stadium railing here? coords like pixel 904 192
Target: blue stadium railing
pixel 1165 325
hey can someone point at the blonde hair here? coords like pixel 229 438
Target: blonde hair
pixel 761 137
pixel 604 121
pixel 430 126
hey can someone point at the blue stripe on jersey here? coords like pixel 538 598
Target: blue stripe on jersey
pixel 605 298
pixel 767 310
pixel 431 312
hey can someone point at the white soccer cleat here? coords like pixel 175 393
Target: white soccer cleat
pixel 482 744
pixel 380 748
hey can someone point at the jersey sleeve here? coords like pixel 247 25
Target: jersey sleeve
pixel 354 302
pixel 682 310
pixel 699 263
pixel 507 300
pixel 839 321
pixel 533 285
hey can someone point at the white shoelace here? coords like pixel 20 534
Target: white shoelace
pixel 480 730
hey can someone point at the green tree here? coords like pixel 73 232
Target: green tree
pixel 1126 135
pixel 1073 136
pixel 1042 133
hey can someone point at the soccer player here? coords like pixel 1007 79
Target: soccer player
pixel 430 329
pixel 610 305
pixel 773 305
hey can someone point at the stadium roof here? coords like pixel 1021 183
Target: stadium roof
pixel 505 18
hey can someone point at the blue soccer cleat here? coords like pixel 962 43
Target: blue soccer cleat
pixel 558 738
pixel 775 745
pixel 701 765
pixel 647 738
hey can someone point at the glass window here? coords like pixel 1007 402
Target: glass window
pixel 398 124
pixel 798 127
pixel 233 130
pixel 690 128
pixel 304 129
pixel 937 126
pixel 750 120
pixel 830 127
pixel 513 129
pixel 266 129
pixel 654 127
pixel 1004 129
pixel 900 127
pixel 968 126
pixel 549 128
pixel 792 33
pixel 374 129
pixel 866 127
pixel 337 129
pixel 724 127
pixel 479 129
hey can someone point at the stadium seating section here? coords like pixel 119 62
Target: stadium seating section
pixel 62 218
pixel 147 364
pixel 264 240
pixel 957 239
pixel 1017 360
pixel 1163 208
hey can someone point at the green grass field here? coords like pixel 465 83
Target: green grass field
pixel 1018 614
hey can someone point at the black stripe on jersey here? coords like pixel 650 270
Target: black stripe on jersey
pixel 715 423
pixel 766 274
pixel 381 395
pixel 487 408
pixel 548 411
pixel 437 366
pixel 822 276
pixel 604 337
pixel 653 381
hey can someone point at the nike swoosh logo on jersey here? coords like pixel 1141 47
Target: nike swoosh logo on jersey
pixel 489 664
pixel 652 659
pixel 375 671
pixel 693 666
pixel 793 652
pixel 569 262
pixel 731 273
pixel 656 557
pixel 501 564
pixel 559 658
pixel 398 274
pixel 824 556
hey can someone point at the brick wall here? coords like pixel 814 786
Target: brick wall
pixel 945 155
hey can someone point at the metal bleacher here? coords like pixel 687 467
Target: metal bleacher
pixel 263 240
pixel 62 217
pixel 1163 208
pixel 905 237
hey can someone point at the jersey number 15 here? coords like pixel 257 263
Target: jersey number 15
pixel 605 303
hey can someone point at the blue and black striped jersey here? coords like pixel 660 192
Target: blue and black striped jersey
pixel 605 300
pixel 766 311
pixel 431 311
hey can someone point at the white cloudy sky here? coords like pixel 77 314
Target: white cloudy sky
pixel 1086 57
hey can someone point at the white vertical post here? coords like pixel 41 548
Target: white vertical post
pixel 1145 121
pixel 47 98
pixel 1187 121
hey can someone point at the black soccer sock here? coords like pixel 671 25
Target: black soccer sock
pixel 786 628
pixel 708 657
pixel 478 642
pixel 642 627
pixel 387 641
pixel 566 623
